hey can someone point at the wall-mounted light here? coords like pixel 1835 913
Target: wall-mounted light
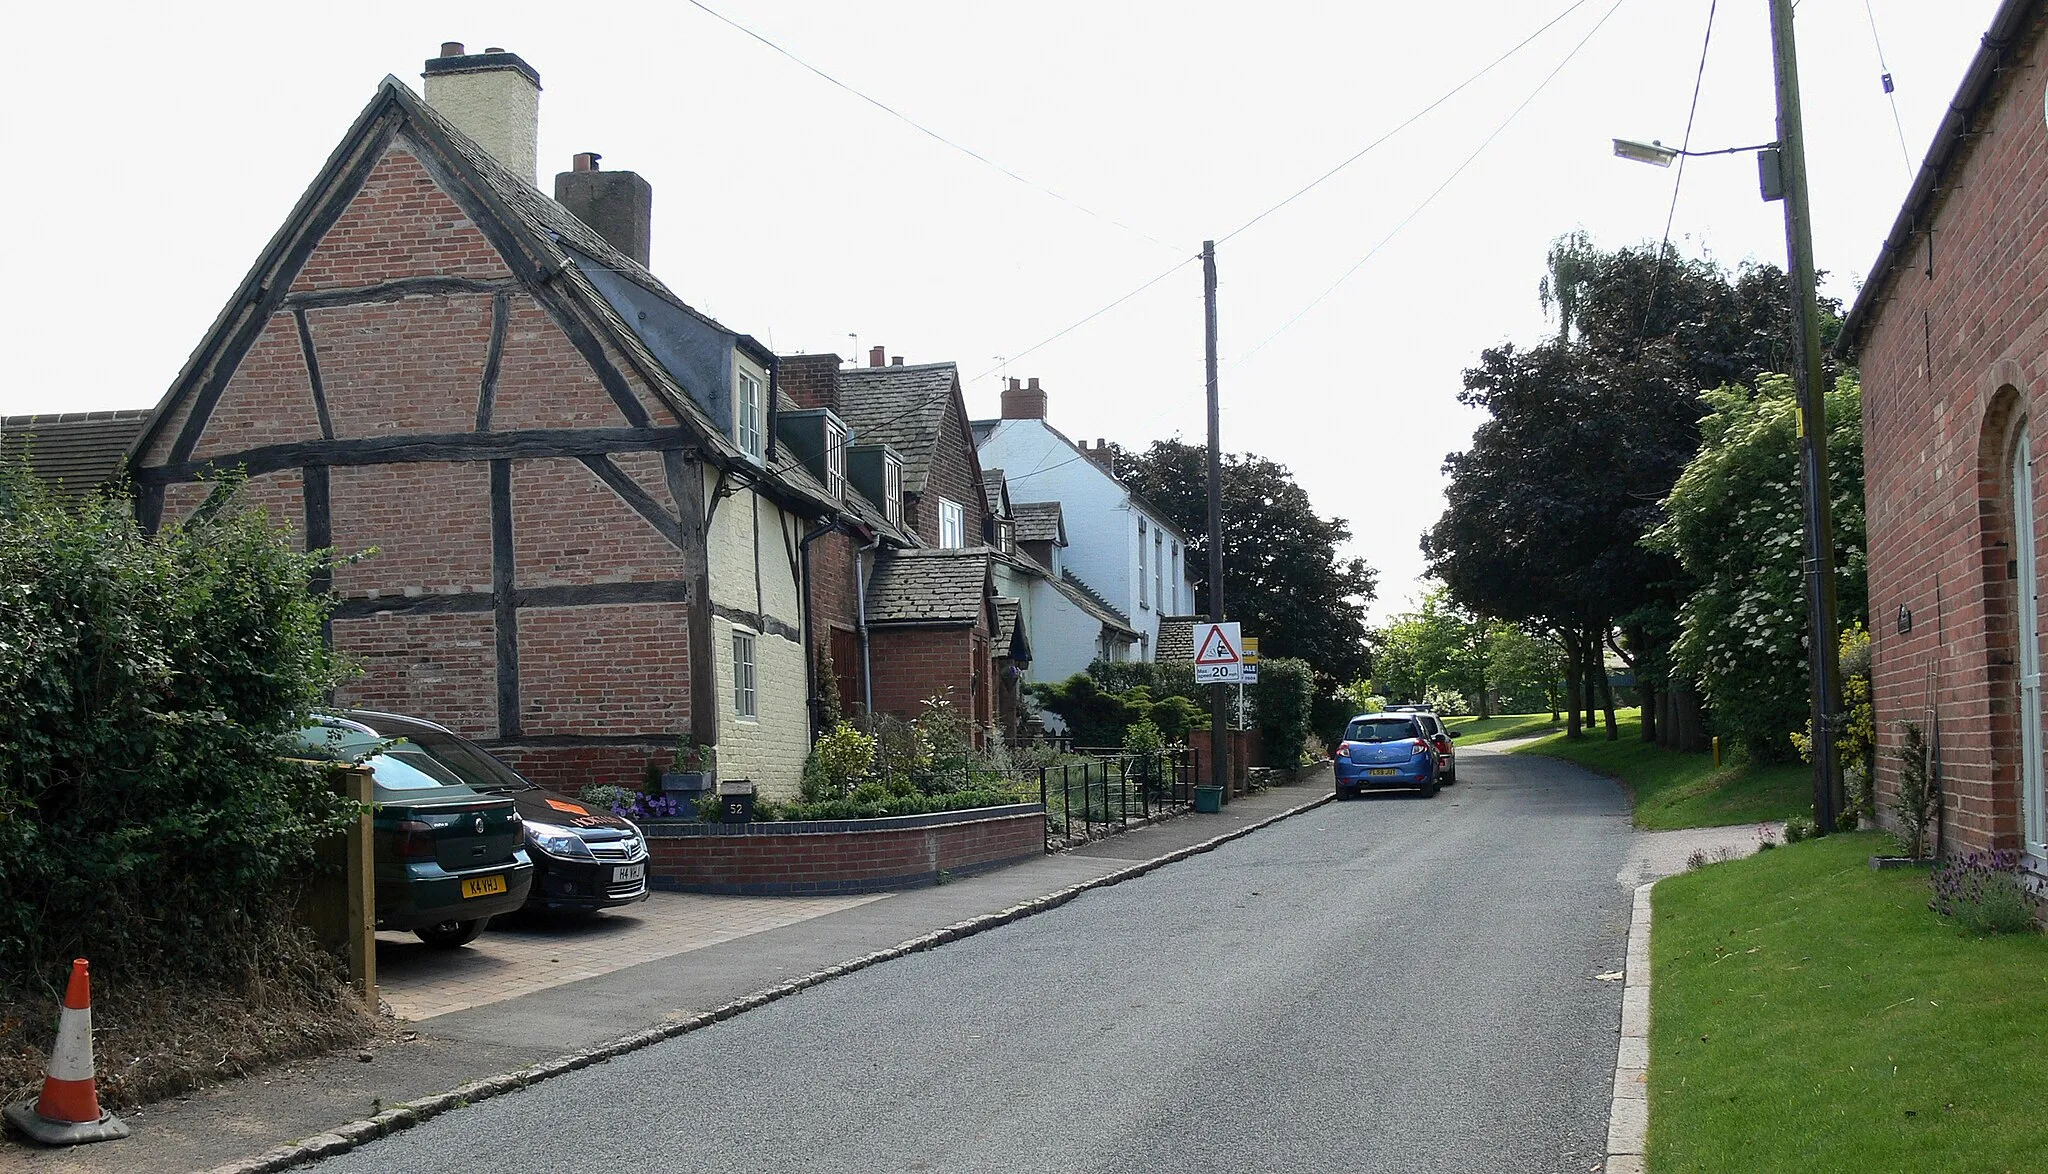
pixel 1905 620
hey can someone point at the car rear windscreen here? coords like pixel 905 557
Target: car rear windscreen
pixel 1380 729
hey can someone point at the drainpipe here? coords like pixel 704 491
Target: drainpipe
pixel 803 554
pixel 860 594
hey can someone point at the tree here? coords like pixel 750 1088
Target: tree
pixel 1736 525
pixel 1282 576
pixel 1437 647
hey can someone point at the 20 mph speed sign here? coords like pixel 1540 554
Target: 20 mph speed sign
pixel 1219 659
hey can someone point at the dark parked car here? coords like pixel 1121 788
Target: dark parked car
pixel 1386 750
pixel 584 858
pixel 448 858
pixel 1440 737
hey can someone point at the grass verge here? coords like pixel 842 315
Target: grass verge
pixel 1810 1014
pixel 1675 789
pixel 1474 730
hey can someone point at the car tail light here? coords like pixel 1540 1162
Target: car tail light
pixel 1343 749
pixel 1443 745
pixel 415 839
pixel 1422 745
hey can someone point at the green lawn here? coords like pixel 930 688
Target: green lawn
pixel 1673 789
pixel 1474 730
pixel 1810 1014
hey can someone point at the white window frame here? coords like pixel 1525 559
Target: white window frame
pixel 1141 565
pixel 892 489
pixel 835 460
pixel 746 412
pixel 952 524
pixel 1173 580
pixel 746 695
pixel 1159 568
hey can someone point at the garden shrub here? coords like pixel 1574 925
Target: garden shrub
pixel 1284 701
pixel 842 758
pixel 1983 893
pixel 1918 795
pixel 150 693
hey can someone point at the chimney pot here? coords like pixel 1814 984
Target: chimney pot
pixel 1033 384
pixel 1101 443
pixel 451 48
pixel 896 360
pixel 877 356
pixel 494 49
pixel 1014 385
pixel 585 161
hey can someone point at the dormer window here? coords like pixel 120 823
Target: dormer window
pixel 952 524
pixel 835 460
pixel 892 490
pixel 746 406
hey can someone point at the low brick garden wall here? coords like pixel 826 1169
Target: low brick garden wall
pixel 838 856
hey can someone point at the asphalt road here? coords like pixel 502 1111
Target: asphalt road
pixel 1388 984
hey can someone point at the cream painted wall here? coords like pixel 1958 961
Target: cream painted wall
pixel 750 535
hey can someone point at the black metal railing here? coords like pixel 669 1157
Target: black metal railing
pixel 1109 790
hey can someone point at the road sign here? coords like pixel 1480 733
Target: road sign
pixel 1217 659
pixel 1250 651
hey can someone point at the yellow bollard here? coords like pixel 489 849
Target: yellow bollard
pixel 1717 751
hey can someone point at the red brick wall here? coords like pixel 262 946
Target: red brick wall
pixel 912 664
pixel 608 671
pixel 399 225
pixel 568 527
pixel 430 523
pixel 1936 440
pixel 270 398
pixel 856 860
pixel 810 380
pixel 440 667
pixel 569 769
pixel 414 365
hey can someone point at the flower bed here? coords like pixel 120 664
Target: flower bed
pixel 840 856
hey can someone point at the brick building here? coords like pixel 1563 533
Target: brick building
pixel 1951 333
pixel 586 540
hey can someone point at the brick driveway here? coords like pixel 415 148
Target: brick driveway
pixel 522 956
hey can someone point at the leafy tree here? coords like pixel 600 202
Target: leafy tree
pixel 1523 668
pixel 1736 525
pixel 1438 647
pixel 1282 576
pixel 1284 700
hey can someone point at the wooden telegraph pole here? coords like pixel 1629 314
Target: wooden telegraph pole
pixel 1824 667
pixel 1219 694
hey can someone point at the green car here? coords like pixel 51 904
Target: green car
pixel 448 858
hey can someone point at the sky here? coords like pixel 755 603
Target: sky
pixel 154 150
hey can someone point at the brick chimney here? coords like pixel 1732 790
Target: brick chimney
pixel 877 356
pixel 1023 402
pixel 494 98
pixel 617 205
pixel 810 380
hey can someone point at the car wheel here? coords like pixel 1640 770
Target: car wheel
pixel 1344 793
pixel 449 934
pixel 1430 788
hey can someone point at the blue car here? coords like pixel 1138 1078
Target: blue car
pixel 1387 750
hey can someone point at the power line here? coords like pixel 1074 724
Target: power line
pixel 1431 197
pixel 1411 120
pixel 1678 180
pixel 1886 73
pixel 921 128
pixel 1155 280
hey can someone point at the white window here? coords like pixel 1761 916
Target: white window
pixel 952 524
pixel 1141 564
pixel 1159 567
pixel 1173 580
pixel 746 406
pixel 835 460
pixel 744 701
pixel 892 490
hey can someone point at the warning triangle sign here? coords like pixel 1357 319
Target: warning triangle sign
pixel 1216 647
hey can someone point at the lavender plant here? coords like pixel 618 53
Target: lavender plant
pixel 1983 893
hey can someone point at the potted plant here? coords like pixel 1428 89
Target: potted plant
pixel 694 771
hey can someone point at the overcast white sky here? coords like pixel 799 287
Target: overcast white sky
pixel 154 149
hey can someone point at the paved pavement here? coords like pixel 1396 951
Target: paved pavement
pixel 528 955
pixel 1389 984
pixel 691 971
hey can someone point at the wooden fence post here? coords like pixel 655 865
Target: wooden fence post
pixel 340 907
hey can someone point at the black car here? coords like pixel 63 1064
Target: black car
pixel 585 858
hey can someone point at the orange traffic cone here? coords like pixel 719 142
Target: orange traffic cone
pixel 68 1112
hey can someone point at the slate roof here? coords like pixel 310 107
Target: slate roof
pixel 1068 578
pixel 929 586
pixel 992 488
pixel 1078 594
pixel 1176 639
pixel 902 407
pixel 981 429
pixel 75 451
pixel 1010 639
pixel 1039 521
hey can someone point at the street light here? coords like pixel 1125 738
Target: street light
pixel 1782 166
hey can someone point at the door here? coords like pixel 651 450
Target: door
pixel 2028 589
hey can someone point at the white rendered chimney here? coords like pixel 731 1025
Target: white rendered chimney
pixel 494 98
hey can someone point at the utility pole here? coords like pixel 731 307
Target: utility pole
pixel 1823 655
pixel 1219 701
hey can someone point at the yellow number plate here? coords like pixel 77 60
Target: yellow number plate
pixel 1382 772
pixel 482 886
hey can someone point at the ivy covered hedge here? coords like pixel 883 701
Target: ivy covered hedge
pixel 149 688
